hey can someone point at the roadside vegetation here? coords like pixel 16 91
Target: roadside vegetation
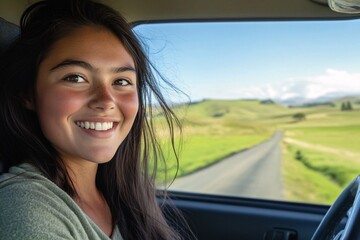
pixel 321 151
pixel 304 184
pixel 322 154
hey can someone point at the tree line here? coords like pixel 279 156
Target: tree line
pixel 346 106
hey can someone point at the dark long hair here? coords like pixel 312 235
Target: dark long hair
pixel 127 181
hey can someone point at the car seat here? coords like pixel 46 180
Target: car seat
pixel 8 33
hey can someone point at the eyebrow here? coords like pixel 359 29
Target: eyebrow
pixel 88 66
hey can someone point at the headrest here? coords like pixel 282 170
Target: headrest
pixel 8 33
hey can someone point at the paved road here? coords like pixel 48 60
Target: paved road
pixel 255 172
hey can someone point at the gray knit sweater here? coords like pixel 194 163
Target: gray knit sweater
pixel 33 207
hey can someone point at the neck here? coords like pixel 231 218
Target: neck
pixel 88 197
pixel 83 176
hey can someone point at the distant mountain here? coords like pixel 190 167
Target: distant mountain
pixel 330 97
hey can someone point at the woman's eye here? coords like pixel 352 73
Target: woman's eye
pixel 122 82
pixel 74 78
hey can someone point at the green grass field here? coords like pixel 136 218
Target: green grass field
pixel 213 130
pixel 304 184
pixel 328 141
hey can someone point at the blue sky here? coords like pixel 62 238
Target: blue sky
pixel 257 59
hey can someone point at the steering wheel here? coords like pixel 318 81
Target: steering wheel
pixel 348 203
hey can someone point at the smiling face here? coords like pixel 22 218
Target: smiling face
pixel 86 95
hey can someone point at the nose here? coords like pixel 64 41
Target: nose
pixel 102 99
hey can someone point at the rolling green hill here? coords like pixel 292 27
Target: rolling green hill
pixel 327 139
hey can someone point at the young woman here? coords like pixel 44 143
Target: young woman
pixel 75 93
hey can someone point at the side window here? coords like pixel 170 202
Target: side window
pixel 275 106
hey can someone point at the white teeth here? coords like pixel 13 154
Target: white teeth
pixel 97 126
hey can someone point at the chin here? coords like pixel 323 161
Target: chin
pixel 102 160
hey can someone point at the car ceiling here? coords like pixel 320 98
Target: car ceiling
pixel 137 11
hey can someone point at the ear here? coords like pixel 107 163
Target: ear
pixel 28 102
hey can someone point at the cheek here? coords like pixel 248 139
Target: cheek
pixel 54 106
pixel 130 105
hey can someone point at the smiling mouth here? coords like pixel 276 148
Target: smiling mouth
pixel 97 126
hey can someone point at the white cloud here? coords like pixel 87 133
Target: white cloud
pixel 333 81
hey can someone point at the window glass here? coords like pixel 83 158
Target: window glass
pixel 275 106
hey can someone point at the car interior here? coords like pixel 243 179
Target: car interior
pixel 228 216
